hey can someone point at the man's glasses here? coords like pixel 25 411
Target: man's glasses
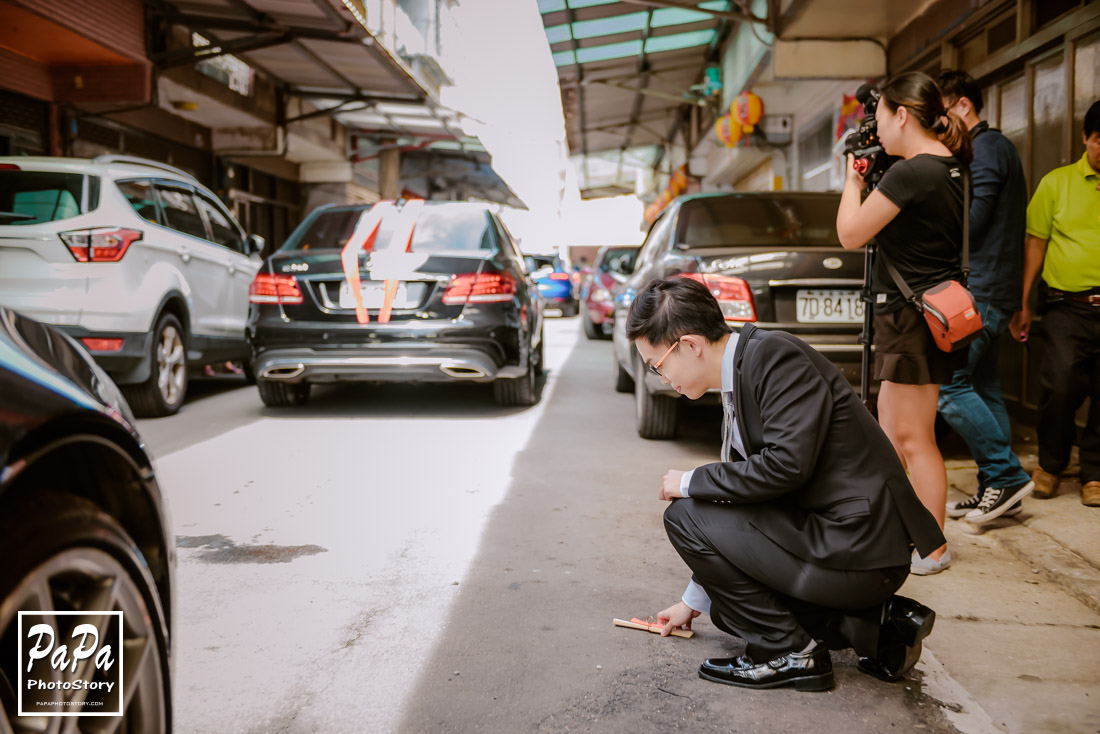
pixel 655 368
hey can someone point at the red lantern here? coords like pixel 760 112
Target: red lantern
pixel 679 181
pixel 748 109
pixel 727 131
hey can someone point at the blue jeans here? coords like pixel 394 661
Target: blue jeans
pixel 974 406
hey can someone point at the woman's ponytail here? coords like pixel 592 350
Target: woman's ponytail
pixel 918 92
pixel 952 132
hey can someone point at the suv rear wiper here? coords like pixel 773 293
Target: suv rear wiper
pixel 15 216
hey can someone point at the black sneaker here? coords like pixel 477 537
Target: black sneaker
pixel 959 509
pixel 996 502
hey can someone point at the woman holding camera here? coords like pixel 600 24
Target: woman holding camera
pixel 915 216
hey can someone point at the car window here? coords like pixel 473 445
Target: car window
pixel 508 245
pixel 222 229
pixel 140 195
pixel 752 220
pixel 438 228
pixel 619 260
pixel 180 210
pixel 34 197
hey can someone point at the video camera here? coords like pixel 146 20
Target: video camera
pixel 864 144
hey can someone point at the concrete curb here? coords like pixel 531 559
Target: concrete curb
pixel 1046 555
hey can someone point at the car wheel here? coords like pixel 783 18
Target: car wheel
pixel 63 553
pixel 516 391
pixel 540 356
pixel 590 330
pixel 624 382
pixel 657 415
pixel 283 394
pixel 163 393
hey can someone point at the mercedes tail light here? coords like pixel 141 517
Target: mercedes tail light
pixel 99 245
pixel 734 295
pixel 275 288
pixel 480 288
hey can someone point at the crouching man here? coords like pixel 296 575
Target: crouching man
pixel 799 537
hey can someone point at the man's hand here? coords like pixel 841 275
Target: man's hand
pixel 670 486
pixel 1020 325
pixel 676 617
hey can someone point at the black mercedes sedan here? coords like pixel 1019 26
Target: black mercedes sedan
pixel 83 529
pixel 770 258
pixel 396 292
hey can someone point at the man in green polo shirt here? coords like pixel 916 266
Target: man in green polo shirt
pixel 1063 239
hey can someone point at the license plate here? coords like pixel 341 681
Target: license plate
pixel 374 294
pixel 829 307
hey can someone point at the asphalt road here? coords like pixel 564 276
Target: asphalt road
pixel 413 558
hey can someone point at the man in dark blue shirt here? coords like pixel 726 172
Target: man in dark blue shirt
pixel 973 403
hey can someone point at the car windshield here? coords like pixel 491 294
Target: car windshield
pixel 619 259
pixel 754 219
pixel 534 262
pixel 438 228
pixel 34 197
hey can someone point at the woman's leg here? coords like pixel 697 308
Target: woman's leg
pixel 907 414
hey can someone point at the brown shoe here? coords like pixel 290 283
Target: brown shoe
pixel 1046 485
pixel 1090 494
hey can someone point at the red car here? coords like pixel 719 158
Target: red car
pixel 612 266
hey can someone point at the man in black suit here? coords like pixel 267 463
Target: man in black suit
pixel 800 536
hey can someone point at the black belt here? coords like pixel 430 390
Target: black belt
pixel 1092 299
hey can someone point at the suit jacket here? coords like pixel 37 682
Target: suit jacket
pixel 821 479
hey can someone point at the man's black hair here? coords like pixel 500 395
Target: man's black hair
pixel 666 309
pixel 955 83
pixel 1092 119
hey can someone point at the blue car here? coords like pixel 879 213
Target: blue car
pixel 555 282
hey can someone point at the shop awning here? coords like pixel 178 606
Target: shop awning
pixel 312 48
pixel 627 71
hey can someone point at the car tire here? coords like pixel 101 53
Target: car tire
pixel 657 415
pixel 67 548
pixel 283 394
pixel 590 330
pixel 624 382
pixel 163 393
pixel 540 356
pixel 513 392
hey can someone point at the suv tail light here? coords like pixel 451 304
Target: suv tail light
pixel 480 288
pixel 734 295
pixel 99 245
pixel 275 288
pixel 559 276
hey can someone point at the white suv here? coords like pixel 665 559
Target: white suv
pixel 135 259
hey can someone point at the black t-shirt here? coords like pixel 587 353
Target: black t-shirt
pixel 924 241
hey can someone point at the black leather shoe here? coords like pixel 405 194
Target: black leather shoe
pixel 806 671
pixel 905 624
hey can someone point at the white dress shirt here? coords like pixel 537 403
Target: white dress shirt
pixel 694 596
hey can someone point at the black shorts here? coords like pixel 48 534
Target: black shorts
pixel 906 354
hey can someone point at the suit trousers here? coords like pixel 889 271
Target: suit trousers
pixel 772 599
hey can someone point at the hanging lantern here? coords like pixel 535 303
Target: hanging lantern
pixel 727 131
pixel 747 109
pixel 679 182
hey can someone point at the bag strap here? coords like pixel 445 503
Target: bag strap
pixel 966 227
pixel 906 291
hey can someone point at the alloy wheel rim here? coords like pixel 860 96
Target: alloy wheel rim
pixel 87 579
pixel 171 365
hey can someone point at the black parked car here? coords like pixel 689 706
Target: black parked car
pixel 770 258
pixel 463 307
pixel 83 525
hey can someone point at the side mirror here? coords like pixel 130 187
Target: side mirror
pixel 255 244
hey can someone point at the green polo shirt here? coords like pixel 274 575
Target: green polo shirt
pixel 1065 211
